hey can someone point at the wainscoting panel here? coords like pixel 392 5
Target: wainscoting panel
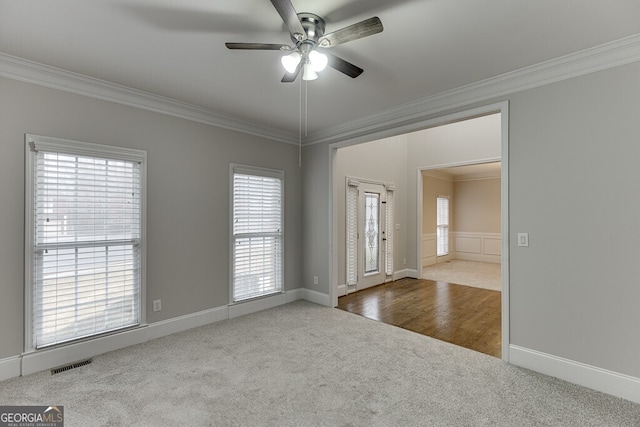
pixel 492 246
pixel 429 249
pixel 485 247
pixel 468 244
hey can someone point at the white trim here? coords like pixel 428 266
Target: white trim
pixel 407 272
pixel 16 68
pixel 34 143
pixel 504 227
pixel 402 118
pixel 9 367
pixel 438 175
pixel 343 290
pixel 476 177
pixel 36 361
pixel 253 306
pixel 471 246
pixel 317 297
pixel 236 168
pixel 390 121
pixel 428 245
pixel 294 295
pixel 610 382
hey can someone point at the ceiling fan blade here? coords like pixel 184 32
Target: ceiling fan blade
pixel 343 66
pixel 365 28
pixel 290 17
pixel 291 77
pixel 257 46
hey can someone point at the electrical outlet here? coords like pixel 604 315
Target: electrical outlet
pixel 157 305
pixel 404 261
pixel 315 280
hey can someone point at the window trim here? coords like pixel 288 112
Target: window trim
pixel 257 171
pixel 40 142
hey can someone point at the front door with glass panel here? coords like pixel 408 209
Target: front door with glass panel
pixel 371 232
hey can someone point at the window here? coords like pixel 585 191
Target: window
pixel 257 232
pixel 84 239
pixel 371 232
pixel 389 229
pixel 352 231
pixel 442 225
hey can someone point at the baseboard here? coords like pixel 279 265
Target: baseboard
pixel 9 368
pixel 610 382
pixel 428 261
pixel 37 361
pixel 249 307
pixel 342 290
pixel 463 256
pixel 46 359
pixel 295 295
pixel 317 297
pixel 407 272
pixel 188 321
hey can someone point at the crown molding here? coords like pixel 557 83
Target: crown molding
pixel 609 55
pixel 437 174
pixel 16 68
pixel 406 116
pixel 477 177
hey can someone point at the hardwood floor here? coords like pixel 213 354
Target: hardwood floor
pixel 462 315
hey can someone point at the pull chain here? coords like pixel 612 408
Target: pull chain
pixel 300 126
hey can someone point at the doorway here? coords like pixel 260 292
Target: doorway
pixel 407 227
pixel 369 212
pixel 461 225
pixel 371 225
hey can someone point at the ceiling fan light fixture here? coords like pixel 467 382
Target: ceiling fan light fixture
pixel 308 73
pixel 318 60
pixel 290 62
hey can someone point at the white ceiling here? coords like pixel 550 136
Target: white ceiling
pixel 176 49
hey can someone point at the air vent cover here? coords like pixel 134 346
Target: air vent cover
pixel 70 366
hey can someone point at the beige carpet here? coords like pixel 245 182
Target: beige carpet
pixel 484 275
pixel 306 365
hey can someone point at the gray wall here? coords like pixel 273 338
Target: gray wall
pixel 574 175
pixel 316 251
pixel 573 156
pixel 188 196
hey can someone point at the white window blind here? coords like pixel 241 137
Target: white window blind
pixel 257 232
pixel 352 232
pixel 389 231
pixel 86 217
pixel 442 225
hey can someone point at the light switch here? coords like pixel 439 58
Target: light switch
pixel 523 239
pixel 397 226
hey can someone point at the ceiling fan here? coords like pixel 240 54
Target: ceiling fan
pixel 307 34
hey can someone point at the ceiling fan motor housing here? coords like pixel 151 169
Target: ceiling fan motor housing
pixel 314 27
